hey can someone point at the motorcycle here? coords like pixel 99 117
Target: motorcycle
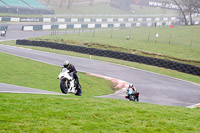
pixel 3 33
pixel 68 84
pixel 133 95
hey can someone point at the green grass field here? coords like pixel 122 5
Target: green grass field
pixel 44 113
pixel 184 43
pixel 69 113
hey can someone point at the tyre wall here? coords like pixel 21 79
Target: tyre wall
pixel 185 68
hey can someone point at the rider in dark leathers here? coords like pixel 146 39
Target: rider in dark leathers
pixel 72 70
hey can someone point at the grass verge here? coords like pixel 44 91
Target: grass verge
pixel 44 113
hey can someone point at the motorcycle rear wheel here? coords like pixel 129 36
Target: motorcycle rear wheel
pixel 63 87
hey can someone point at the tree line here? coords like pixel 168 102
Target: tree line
pixel 188 7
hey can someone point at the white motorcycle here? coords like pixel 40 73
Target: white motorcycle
pixel 3 33
pixel 68 83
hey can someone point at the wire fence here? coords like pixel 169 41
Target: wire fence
pixel 183 36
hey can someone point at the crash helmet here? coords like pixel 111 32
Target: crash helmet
pixel 66 63
pixel 131 85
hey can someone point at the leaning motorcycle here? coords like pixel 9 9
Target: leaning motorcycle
pixel 133 95
pixel 68 84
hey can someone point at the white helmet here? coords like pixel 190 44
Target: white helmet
pixel 130 85
pixel 66 63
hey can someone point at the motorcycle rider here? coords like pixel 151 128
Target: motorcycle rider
pixel 132 88
pixel 72 70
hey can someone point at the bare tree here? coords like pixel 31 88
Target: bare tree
pixel 188 7
pixel 61 2
pixel 69 4
pixel 91 2
pixel 196 6
pixel 181 10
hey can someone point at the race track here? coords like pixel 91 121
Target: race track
pixel 7 88
pixel 153 88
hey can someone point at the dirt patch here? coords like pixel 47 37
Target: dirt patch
pixel 120 84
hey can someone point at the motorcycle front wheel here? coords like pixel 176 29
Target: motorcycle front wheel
pixel 130 97
pixel 63 87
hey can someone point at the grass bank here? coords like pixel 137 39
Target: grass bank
pixel 44 113
pixel 184 44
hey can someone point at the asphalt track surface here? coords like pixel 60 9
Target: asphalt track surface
pixel 153 88
pixel 6 88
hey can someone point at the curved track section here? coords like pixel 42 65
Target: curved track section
pixel 153 88
pixel 7 88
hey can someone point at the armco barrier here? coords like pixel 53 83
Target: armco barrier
pixel 185 68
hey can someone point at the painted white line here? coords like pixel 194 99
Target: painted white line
pixel 21 47
pixel 11 39
pixel 30 58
